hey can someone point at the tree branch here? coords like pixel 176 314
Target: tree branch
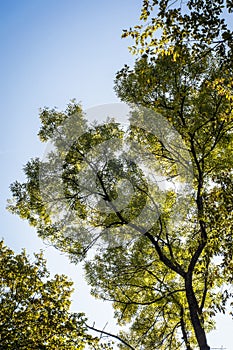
pixel 110 335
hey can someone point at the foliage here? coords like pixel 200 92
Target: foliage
pixel 168 26
pixel 193 97
pixel 167 274
pixel 149 276
pixel 34 311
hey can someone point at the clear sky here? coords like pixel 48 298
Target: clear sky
pixel 53 51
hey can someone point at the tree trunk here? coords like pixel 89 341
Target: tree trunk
pixel 194 314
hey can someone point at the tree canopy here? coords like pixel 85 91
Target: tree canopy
pixel 168 26
pixel 165 257
pixel 34 311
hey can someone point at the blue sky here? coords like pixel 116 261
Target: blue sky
pixel 53 51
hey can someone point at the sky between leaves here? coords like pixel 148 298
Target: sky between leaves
pixel 53 51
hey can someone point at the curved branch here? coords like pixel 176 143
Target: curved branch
pixel 110 335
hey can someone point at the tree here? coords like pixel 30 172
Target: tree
pixel 166 255
pixel 167 272
pixel 169 26
pixel 34 311
pixel 183 92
